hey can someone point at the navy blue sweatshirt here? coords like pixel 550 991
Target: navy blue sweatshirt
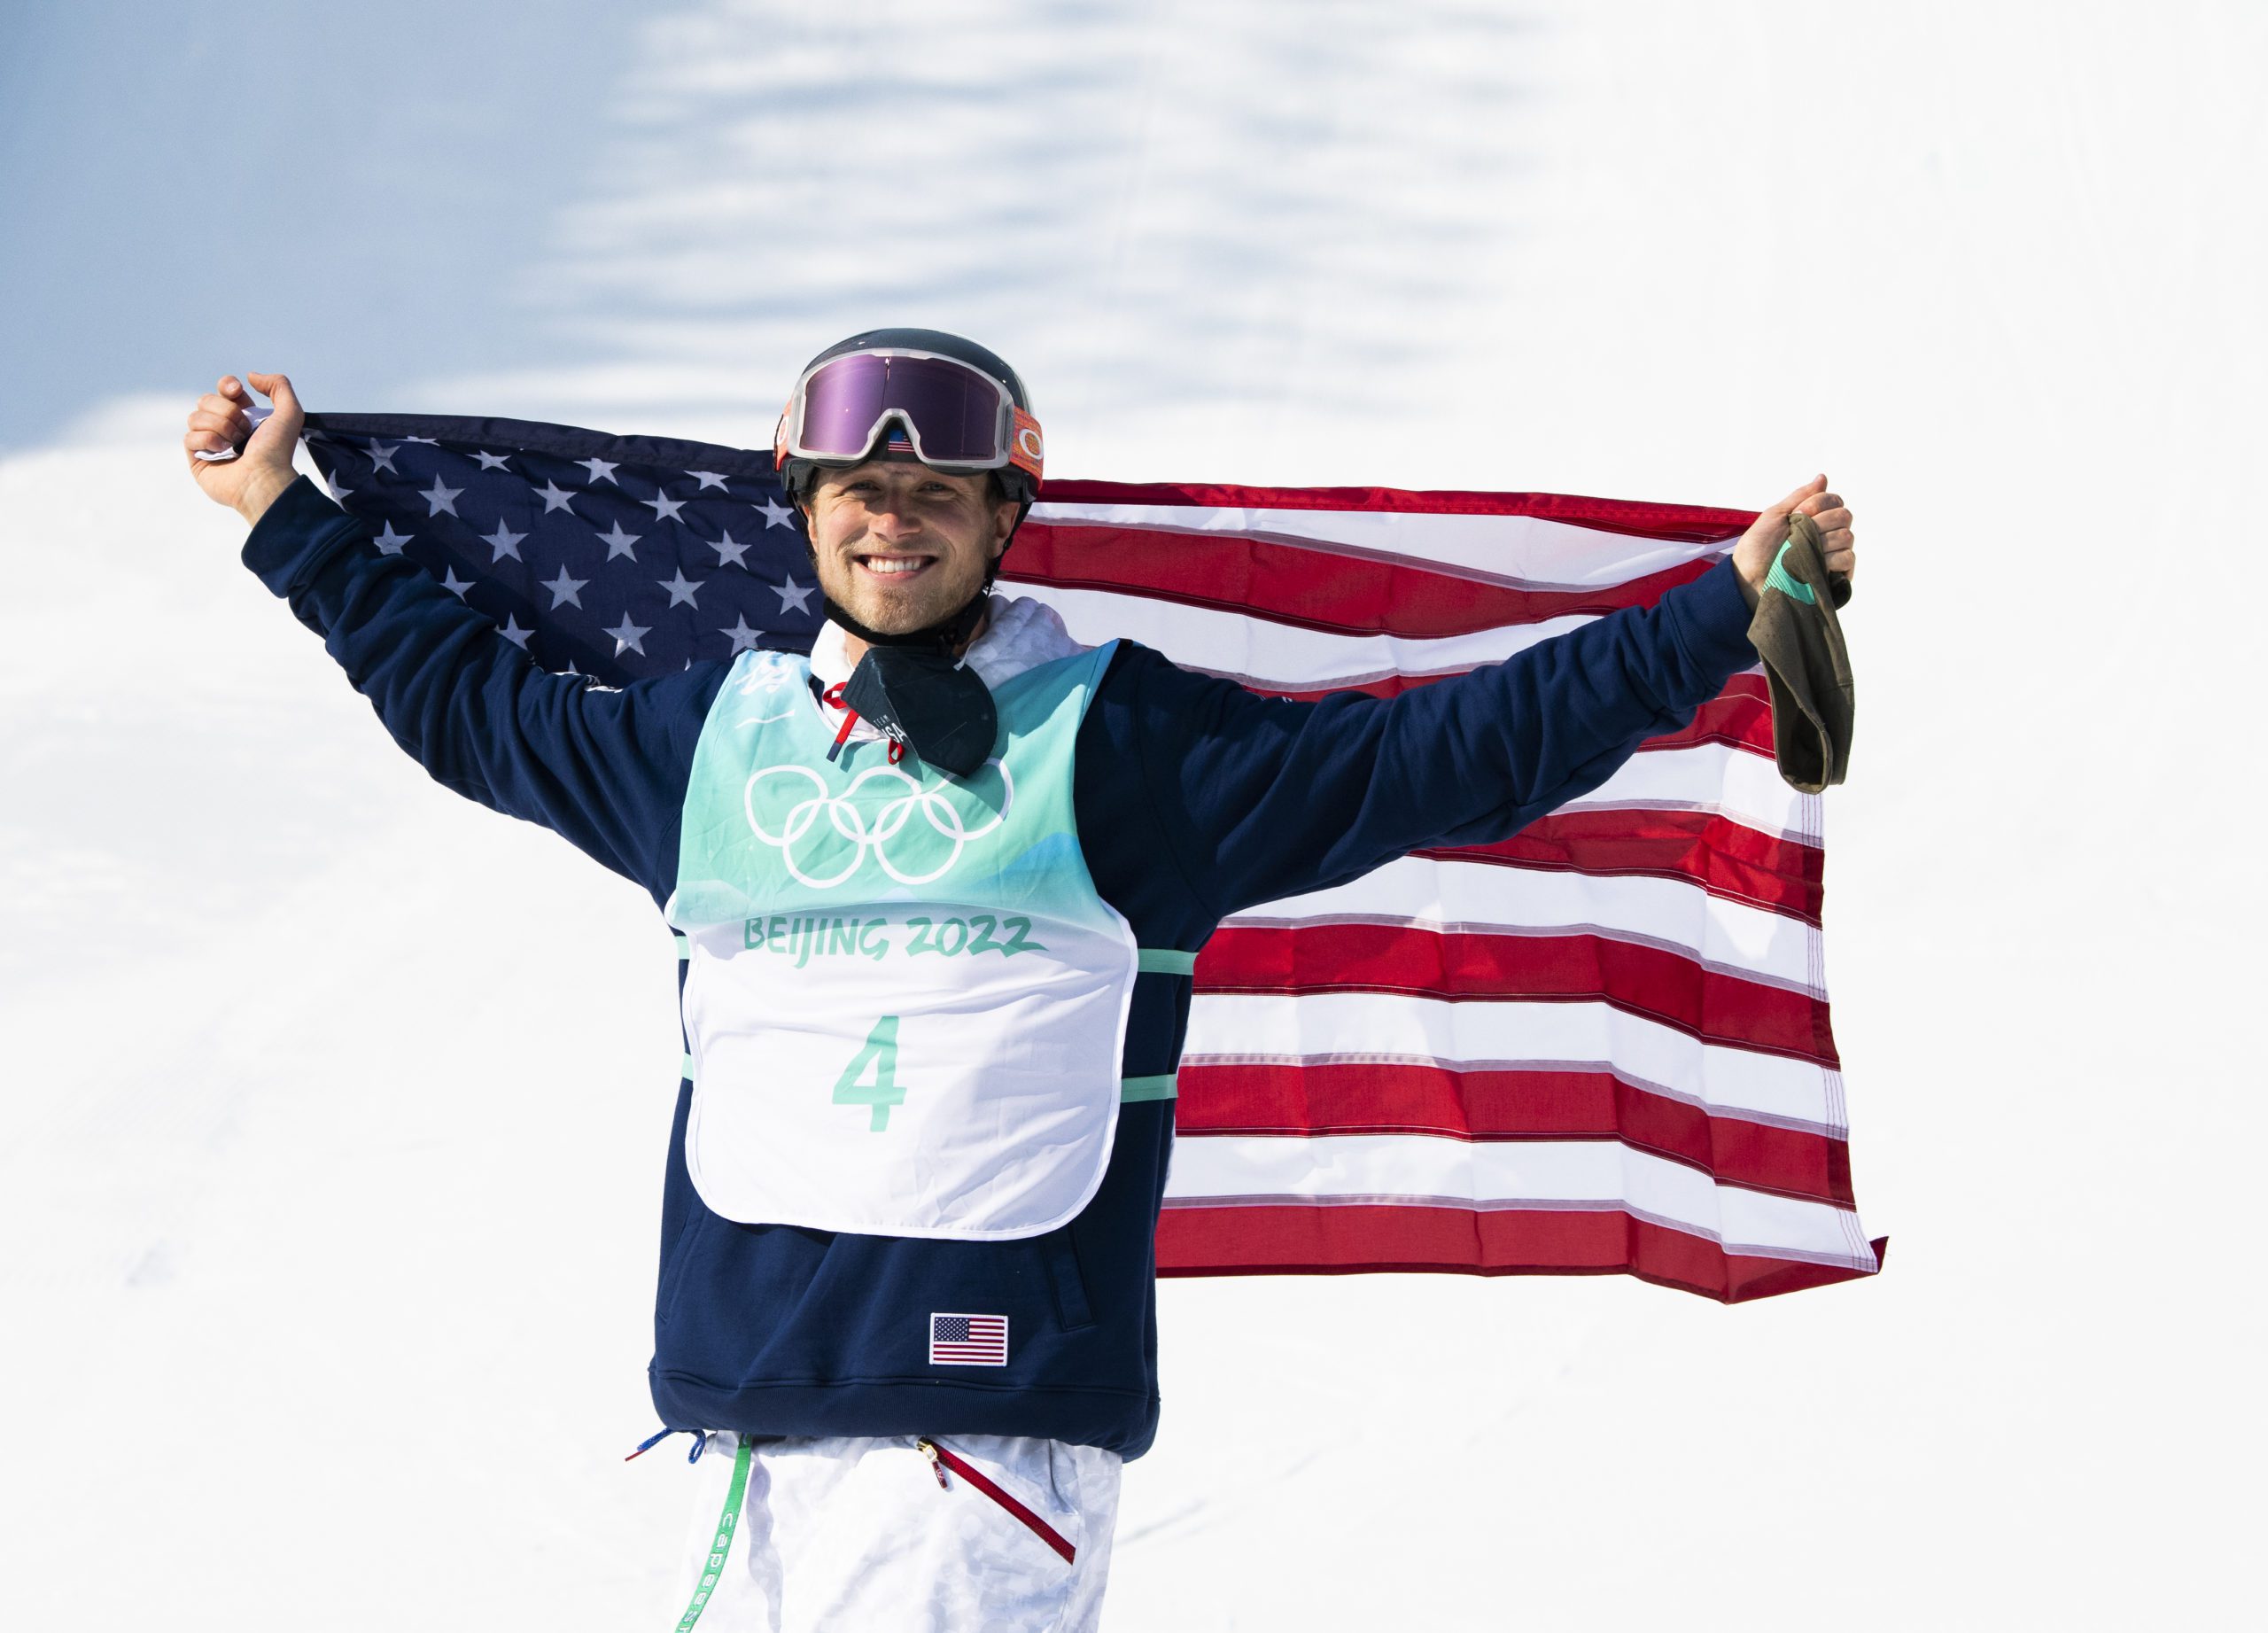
pixel 1194 800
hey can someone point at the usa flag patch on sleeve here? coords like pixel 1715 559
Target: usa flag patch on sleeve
pixel 969 1340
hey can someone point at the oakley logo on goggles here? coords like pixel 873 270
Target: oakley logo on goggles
pixel 959 418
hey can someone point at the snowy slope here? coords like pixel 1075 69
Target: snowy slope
pixel 332 1107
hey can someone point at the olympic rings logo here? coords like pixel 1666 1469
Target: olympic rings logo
pixel 848 821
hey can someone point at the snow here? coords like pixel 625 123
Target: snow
pixel 332 1107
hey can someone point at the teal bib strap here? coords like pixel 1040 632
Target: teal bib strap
pixel 1156 962
pixel 684 948
pixel 714 1571
pixel 688 1073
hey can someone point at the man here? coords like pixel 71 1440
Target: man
pixel 938 892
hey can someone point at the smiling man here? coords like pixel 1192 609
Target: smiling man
pixel 904 546
pixel 939 890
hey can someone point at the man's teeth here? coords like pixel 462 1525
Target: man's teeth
pixel 899 564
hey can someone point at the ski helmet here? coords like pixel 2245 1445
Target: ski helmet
pixel 911 394
pixel 918 394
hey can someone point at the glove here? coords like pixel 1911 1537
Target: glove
pixel 1806 669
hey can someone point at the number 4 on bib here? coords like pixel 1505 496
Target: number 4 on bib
pixel 880 1054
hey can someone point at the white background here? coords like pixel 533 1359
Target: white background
pixel 332 1107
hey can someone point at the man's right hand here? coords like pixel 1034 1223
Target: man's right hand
pixel 249 483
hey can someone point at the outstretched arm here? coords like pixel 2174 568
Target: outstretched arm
pixel 1262 798
pixel 605 768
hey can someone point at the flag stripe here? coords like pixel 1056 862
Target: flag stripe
pixel 1572 1175
pixel 1326 1239
pixel 1283 658
pixel 1315 585
pixel 1508 1032
pixel 1725 857
pixel 1284 1102
pixel 1654 982
pixel 1484 897
pixel 1554 538
pixel 1713 778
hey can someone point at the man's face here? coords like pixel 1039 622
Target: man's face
pixel 900 546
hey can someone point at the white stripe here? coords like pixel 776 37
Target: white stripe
pixel 1709 776
pixel 1482 898
pixel 1251 649
pixel 1281 1028
pixel 1511 550
pixel 1564 1174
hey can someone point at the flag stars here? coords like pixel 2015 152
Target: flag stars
pixel 554 498
pixel 618 542
pixel 339 489
pixel 453 584
pixel 728 554
pixel 382 457
pixel 490 462
pixel 630 636
pixel 565 591
pixel 389 543
pixel 743 638
pixel 513 632
pixel 794 595
pixel 600 470
pixel 709 479
pixel 777 515
pixel 665 507
pixel 438 499
pixel 681 589
pixel 504 542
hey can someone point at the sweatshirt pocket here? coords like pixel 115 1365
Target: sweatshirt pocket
pixel 1066 1284
pixel 672 1284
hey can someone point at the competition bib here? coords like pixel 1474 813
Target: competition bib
pixel 904 1000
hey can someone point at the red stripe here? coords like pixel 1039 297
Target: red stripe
pixel 1720 855
pixel 1693 524
pixel 1654 982
pixel 1740 717
pixel 1312 585
pixel 1302 1239
pixel 1335 1097
pixel 1040 1528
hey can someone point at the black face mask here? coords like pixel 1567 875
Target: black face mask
pixel 936 705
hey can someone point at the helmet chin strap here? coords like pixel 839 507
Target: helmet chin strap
pixel 948 636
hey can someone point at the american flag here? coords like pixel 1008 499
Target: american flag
pixel 1600 1046
pixel 969 1340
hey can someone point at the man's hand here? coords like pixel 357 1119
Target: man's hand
pixel 1759 545
pixel 249 483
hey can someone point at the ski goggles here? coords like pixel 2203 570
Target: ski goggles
pixel 957 417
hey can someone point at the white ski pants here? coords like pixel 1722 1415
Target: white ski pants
pixel 965 1534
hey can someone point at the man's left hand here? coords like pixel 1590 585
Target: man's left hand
pixel 1759 545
